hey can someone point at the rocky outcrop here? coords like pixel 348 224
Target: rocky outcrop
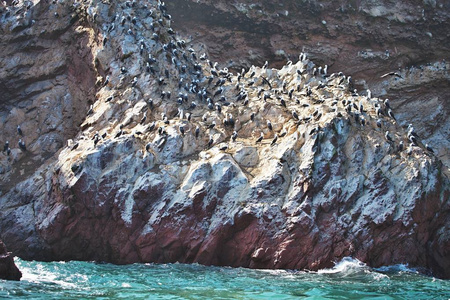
pixel 179 159
pixel 365 39
pixel 8 269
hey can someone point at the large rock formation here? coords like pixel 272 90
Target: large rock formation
pixel 8 269
pixel 364 39
pixel 179 159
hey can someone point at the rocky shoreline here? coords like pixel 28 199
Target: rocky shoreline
pixel 139 148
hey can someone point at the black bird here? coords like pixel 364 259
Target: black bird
pixel 387 136
pixel 210 142
pixel 274 140
pixel 379 123
pixel 75 146
pixel 91 110
pixel 197 132
pixel 412 139
pixel 234 136
pixel 224 147
pixel 269 125
pixel 96 140
pixel 429 148
pixel 258 140
pixel 144 118
pixel 5 148
pixel 22 145
pixel 294 115
pixel 19 130
pixel 119 133
pixel 391 114
pixel 182 130
pixel 400 146
pixel 252 116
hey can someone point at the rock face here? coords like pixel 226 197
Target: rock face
pixel 178 159
pixel 364 39
pixel 8 270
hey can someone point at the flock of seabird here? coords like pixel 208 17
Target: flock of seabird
pixel 203 100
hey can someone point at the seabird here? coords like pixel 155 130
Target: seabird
pixel 19 130
pixel 91 110
pixel 391 114
pixel 234 136
pixel 119 133
pixel 387 136
pixel 22 145
pixel 269 125
pixel 5 148
pixel 274 140
pixel 379 123
pixel 429 148
pixel 258 140
pixel 400 146
pixel 75 146
pixel 197 132
pixel 224 147
pixel 412 139
pixel 211 141
pixel 144 118
pixel 182 130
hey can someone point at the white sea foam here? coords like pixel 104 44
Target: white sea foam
pixel 346 265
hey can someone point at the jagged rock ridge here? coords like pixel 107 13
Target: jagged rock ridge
pixel 179 159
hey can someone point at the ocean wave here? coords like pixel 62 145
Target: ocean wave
pixel 347 265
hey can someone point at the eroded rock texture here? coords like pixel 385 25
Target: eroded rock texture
pixel 8 269
pixel 365 39
pixel 179 159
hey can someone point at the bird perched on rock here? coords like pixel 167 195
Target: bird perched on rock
pixel 22 145
pixel 269 125
pixel 275 139
pixel 197 132
pixel 211 141
pixel 234 136
pixel 387 136
pixel 19 130
pixel 258 140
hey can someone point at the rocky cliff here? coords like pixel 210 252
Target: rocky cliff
pixel 365 39
pixel 135 146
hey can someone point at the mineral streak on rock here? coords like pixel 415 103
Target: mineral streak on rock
pixel 165 165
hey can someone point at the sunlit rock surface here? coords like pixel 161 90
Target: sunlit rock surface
pixel 160 155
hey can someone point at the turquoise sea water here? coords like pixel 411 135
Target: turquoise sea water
pixel 349 279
